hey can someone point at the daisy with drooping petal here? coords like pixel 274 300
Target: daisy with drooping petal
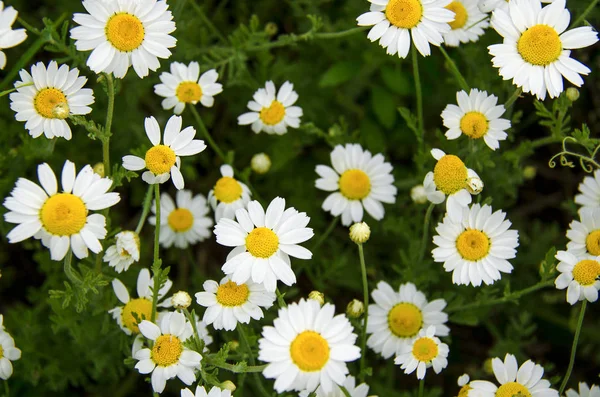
pixel 201 392
pixel 228 194
pixel 358 180
pixel 49 97
pixel 308 347
pixel 584 236
pixel 349 384
pixel 9 37
pixel 185 85
pixel 425 351
pixel 463 383
pixel 228 303
pixel 535 52
pixel 169 357
pixel 8 353
pixel 584 391
pixel 124 33
pixel 580 275
pixel 476 116
pixel 477 247
pixel 124 252
pixel 525 380
pixel 61 220
pixel 264 242
pixel 183 222
pixel 589 189
pixel 163 160
pixel 271 111
pixel 396 318
pixel 468 24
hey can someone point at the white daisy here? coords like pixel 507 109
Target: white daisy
pixel 141 306
pixel 163 160
pixel 55 94
pixel 526 380
pixel 185 85
pixel 349 384
pixel 201 392
pixel 463 383
pixel 425 351
pixel 468 24
pixel 426 20
pixel 535 52
pixel 308 347
pixel 228 194
pixel 8 353
pixel 396 318
pixel 183 222
pixel 124 33
pixel 124 252
pixel 584 391
pixel 358 179
pixel 9 37
pixel 589 191
pixel 584 236
pixel 61 220
pixel 271 111
pixel 476 116
pixel 169 357
pixel 580 275
pixel 264 243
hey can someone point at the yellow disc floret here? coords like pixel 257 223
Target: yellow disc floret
pixel 159 159
pixel 309 351
pixel 512 389
pixel 460 14
pixel 592 243
pixel 540 45
pixel 473 244
pixel 47 100
pixel 425 349
pixel 181 220
pixel 474 124
pixel 125 32
pixel 166 350
pixel 63 214
pixel 232 294
pixel 404 13
pixel 188 92
pixel 450 174
pixel 227 190
pixel 405 320
pixel 586 272
pixel 274 114
pixel 355 184
pixel 262 242
pixel 142 308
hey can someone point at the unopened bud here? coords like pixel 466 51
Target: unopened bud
pixel 529 172
pixel 228 385
pixel 355 308
pixel 271 29
pixel 474 185
pixel 317 296
pixel 360 232
pixel 181 300
pixel 418 194
pixel 260 163
pixel 572 94
pixel 487 366
pixel 234 345
pixel 99 169
pixel 61 110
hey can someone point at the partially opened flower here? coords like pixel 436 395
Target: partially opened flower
pixel 584 391
pixel 8 353
pixel 9 37
pixel 580 275
pixel 589 189
pixel 201 392
pixel 424 352
pixel 228 195
pixel 349 384
pixel 468 24
pixel 584 236
pixel 124 252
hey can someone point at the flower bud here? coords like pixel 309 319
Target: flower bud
pixel 271 29
pixel 355 308
pixel 572 94
pixel 529 172
pixel 487 366
pixel 318 296
pixel 181 300
pixel 260 163
pixel 228 385
pixel 99 169
pixel 61 110
pixel 474 185
pixel 360 232
pixel 418 194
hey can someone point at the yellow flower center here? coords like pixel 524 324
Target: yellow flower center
pixel 512 389
pixel 450 174
pixel 425 349
pixel 188 92
pixel 232 294
pixel 125 31
pixel 47 100
pixel 473 244
pixel 464 391
pixel 227 190
pixel 159 159
pixel 460 14
pixel 405 320
pixel 142 308
pixel 474 124
pixel 355 184
pixel 181 220
pixel 404 13
pixel 262 242
pixel 273 114
pixel 166 350
pixel 592 242
pixel 309 351
pixel 586 272
pixel 540 45
pixel 63 214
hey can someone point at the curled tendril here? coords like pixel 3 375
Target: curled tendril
pixel 587 163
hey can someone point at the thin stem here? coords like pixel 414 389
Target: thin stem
pixel 246 346
pixel 310 35
pixel 345 391
pixel 25 59
pixel 326 233
pixel 363 338
pixel 6 389
pixel 515 95
pixel 110 87
pixel 156 286
pixel 236 369
pixel 30 28
pixel 71 274
pixel 425 231
pixel 206 21
pixel 574 348
pixel 206 134
pixel 454 69
pixel 198 340
pixel 415 65
pixel 145 210
pixel 581 18
pixel 421 387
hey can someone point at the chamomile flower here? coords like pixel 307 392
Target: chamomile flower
pixel 358 181
pixel 61 220
pixel 50 96
pixel 9 37
pixel 584 391
pixel 228 303
pixel 228 195
pixel 463 383
pixel 264 243
pixel 124 33
pixel 476 116
pixel 580 275
pixel 397 317
pixel 396 21
pixel 535 52
pixel 8 353
pixel 141 306
pixel 308 347
pixel 124 252
pixel 589 189
pixel 584 236
pixel 468 24
pixel 163 160
pixel 183 222
pixel 424 352
pixel 169 357
pixel 185 85
pixel 271 111
pixel 525 380
pixel 201 392
pixel 349 384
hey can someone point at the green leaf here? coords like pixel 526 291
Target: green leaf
pixel 396 81
pixel 339 73
pixel 384 106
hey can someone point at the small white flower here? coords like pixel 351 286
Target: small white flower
pixel 9 37
pixel 8 353
pixel 589 191
pixel 349 384
pixel 468 24
pixel 124 252
pixel 584 391
pixel 580 275
pixel 418 194
pixel 584 236
pixel 228 195
pixel 424 352
pixel 201 392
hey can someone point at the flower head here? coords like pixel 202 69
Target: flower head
pixel 349 384
pixel 124 252
pixel 201 392
pixel 181 300
pixel 468 24
pixel 8 352
pixel 228 195
pixel 584 391
pixel 9 37
pixel 360 232
pixel 463 383
pixel 589 189
pixel 580 275
pixel 424 351
pixel 584 236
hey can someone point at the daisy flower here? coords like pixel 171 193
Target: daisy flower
pixel 271 111
pixel 584 236
pixel 526 380
pixel 264 243
pixel 396 318
pixel 201 392
pixel 183 222
pixel 580 275
pixel 124 33
pixel 169 357
pixel 8 353
pixel 162 160
pixel 589 191
pixel 476 116
pixel 124 252
pixel 358 180
pixel 535 52
pixel 9 37
pixel 463 383
pixel 61 220
pixel 424 352
pixel 349 384
pixel 228 194
pixel 392 20
pixel 468 24
pixel 141 306
pixel 185 85
pixel 584 391
pixel 49 97
pixel 308 347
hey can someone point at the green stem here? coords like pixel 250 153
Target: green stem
pixel 574 348
pixel 30 28
pixel 363 338
pixel 198 341
pixel 421 387
pixel 515 95
pixel 6 92
pixel 71 274
pixel 310 35
pixel 325 234
pixel 145 210
pixel 345 391
pixel 425 231
pixel 156 286
pixel 415 66
pixel 235 368
pixel 581 18
pixel 25 59
pixel 454 69
pixel 206 135
pixel 110 87
pixel 206 21
pixel 280 300
pixel 246 346
pixel 6 389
